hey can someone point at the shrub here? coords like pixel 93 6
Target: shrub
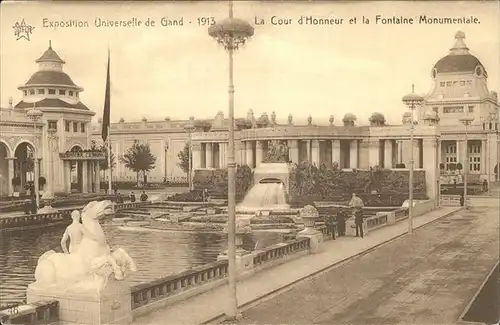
pixel 192 196
pixel 215 181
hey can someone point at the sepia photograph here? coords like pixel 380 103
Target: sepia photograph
pixel 249 162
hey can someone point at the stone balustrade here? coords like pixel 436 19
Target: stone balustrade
pixel 40 312
pixel 450 200
pixel 148 293
pixel 280 250
pixel 376 221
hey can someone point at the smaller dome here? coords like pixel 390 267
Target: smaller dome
pixel 349 117
pixel 377 119
pixel 144 119
pixel 122 120
pixel 50 56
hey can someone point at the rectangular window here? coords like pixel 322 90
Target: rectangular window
pixel 442 84
pixel 25 93
pixel 41 91
pixel 474 157
pixel 448 84
pixel 76 94
pixel 450 155
pixel 62 92
pixel 453 109
pixel 83 127
pixel 455 83
pixel 462 83
pixel 469 83
pixel 67 126
pixel 32 91
pixel 70 93
pixel 52 91
pixel 75 126
pixel 52 125
pixel 471 109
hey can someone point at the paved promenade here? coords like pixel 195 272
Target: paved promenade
pixel 310 302
pixel 428 278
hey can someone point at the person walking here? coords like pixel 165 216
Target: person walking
pixel 330 226
pixel 358 220
pixel 341 217
pixel 132 197
pixel 356 204
pixel 144 196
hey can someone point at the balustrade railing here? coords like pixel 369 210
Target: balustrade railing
pixel 400 213
pixel 40 312
pixel 376 221
pixel 278 251
pixel 34 219
pixel 146 293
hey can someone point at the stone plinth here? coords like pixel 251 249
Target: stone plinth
pixel 309 215
pixel 111 306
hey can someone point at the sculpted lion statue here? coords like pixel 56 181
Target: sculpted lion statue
pixel 90 263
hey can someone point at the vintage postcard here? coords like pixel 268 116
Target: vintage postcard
pixel 249 162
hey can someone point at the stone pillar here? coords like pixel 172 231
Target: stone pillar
pixel 484 159
pixel 196 153
pixel 209 159
pixel 399 146
pixel 373 152
pixel 85 177
pixel 388 148
pixel 249 153
pixel 353 151
pixel 315 159
pixel 10 174
pixel 431 167
pixel 336 152
pixel 97 172
pixel 223 147
pixel 293 151
pixel 239 152
pixel 259 153
pixel 67 176
pixel 308 150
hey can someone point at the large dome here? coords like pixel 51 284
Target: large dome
pixel 459 59
pixel 48 77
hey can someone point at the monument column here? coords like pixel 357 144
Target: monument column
pixel 353 152
pixel 293 151
pixel 336 152
pixel 209 159
pixel 259 153
pixel 431 167
pixel 10 173
pixel 196 152
pixel 315 152
pixel 97 172
pixel 249 153
pixel 388 149
pixel 373 152
pixel 85 177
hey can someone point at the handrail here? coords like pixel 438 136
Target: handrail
pixel 40 312
pixel 281 250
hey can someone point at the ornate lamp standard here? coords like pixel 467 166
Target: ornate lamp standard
pixel 166 152
pixel 411 100
pixel 488 124
pixel 35 115
pixel 190 128
pixel 231 33
pixel 466 121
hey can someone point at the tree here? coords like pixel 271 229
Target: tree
pixel 139 158
pixel 103 164
pixel 183 156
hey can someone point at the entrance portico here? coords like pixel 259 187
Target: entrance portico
pixel 86 163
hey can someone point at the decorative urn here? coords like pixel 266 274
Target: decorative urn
pixel 290 119
pixel 309 120
pixel 309 215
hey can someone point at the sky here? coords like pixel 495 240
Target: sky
pixel 179 71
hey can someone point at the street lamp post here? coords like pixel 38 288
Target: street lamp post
pixel 411 100
pixel 35 115
pixel 466 121
pixel 231 33
pixel 488 125
pixel 166 152
pixel 190 128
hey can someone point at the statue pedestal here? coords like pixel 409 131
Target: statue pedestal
pixel 315 236
pixel 87 307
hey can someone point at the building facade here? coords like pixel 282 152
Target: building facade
pixel 58 139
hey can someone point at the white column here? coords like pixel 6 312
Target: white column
pixel 353 152
pixel 431 167
pixel 388 148
pixel 85 177
pixel 293 150
pixel 308 150
pixel 315 156
pixel 10 174
pixel 249 153
pixel 373 152
pixel 484 158
pixel 336 152
pixel 196 152
pixel 97 173
pixel 67 176
pixel 259 153
pixel 209 159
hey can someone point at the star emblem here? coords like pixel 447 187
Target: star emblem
pixel 22 30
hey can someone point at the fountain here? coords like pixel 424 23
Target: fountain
pixel 264 196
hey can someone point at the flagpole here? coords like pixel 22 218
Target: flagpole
pixel 109 161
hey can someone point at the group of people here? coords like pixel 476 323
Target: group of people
pixel 143 198
pixel 338 223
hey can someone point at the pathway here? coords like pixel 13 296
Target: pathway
pixel 428 278
pixel 206 306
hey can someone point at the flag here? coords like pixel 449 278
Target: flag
pixel 107 104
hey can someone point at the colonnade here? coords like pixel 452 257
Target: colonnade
pixel 88 175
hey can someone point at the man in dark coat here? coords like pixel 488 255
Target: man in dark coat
pixel 341 217
pixel 330 225
pixel 358 219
